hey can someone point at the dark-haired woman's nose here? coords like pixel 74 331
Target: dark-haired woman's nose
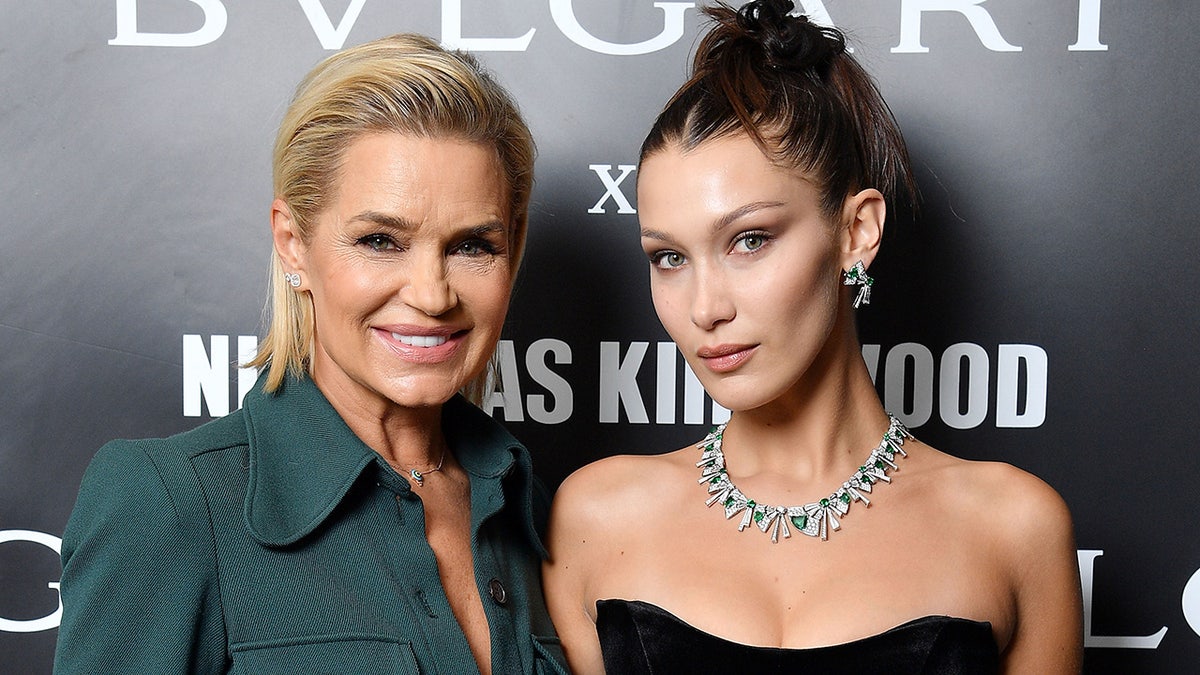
pixel 711 305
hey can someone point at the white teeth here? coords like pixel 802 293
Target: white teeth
pixel 420 340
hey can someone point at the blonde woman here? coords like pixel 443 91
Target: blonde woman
pixel 357 514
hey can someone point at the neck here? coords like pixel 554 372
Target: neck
pixel 408 438
pixel 818 431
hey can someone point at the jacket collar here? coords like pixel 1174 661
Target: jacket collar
pixel 304 459
pixel 492 456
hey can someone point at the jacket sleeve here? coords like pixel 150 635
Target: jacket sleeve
pixel 139 584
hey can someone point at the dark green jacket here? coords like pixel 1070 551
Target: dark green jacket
pixel 274 541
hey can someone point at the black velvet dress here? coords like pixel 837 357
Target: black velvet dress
pixel 638 637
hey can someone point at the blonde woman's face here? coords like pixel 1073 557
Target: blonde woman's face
pixel 409 271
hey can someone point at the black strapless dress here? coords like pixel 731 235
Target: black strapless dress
pixel 638 637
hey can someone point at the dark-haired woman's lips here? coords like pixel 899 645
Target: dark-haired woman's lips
pixel 725 358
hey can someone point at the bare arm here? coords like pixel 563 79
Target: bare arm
pixel 1048 636
pixel 575 526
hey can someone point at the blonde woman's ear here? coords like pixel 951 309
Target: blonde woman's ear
pixel 288 245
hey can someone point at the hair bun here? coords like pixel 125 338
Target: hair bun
pixel 789 41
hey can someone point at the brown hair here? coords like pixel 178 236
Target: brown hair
pixel 791 86
pixel 404 83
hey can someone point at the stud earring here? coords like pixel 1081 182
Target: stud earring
pixel 857 276
pixel 293 279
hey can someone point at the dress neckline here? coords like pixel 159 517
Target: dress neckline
pixel 911 624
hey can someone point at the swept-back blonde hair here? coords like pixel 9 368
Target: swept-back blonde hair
pixel 404 83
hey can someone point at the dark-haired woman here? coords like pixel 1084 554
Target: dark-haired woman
pixel 762 197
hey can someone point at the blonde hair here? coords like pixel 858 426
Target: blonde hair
pixel 406 84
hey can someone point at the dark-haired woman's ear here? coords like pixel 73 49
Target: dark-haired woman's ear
pixel 288 245
pixel 862 227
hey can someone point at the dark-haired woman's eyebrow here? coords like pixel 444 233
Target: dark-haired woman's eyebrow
pixel 722 221
pixel 741 212
pixel 655 235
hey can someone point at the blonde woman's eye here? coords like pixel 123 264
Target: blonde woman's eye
pixel 378 242
pixel 475 247
pixel 667 260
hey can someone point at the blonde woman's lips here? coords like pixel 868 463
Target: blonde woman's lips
pixel 421 344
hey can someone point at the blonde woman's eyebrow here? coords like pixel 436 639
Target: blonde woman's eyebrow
pixel 400 223
pixel 385 219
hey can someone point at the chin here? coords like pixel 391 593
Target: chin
pixel 422 392
pixel 749 391
pixel 746 395
pixel 740 403
pixel 410 399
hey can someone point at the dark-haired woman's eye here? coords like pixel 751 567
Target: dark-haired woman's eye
pixel 378 242
pixel 750 242
pixel 667 260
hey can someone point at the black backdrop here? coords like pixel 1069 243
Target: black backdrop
pixel 1039 310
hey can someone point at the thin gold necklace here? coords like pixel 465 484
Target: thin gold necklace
pixel 419 476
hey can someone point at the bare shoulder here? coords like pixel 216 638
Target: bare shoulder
pixel 602 493
pixel 1017 510
pixel 592 545
pixel 1015 490
pixel 1024 529
pixel 589 535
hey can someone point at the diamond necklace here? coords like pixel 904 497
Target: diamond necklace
pixel 815 519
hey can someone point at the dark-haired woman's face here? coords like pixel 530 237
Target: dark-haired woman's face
pixel 744 267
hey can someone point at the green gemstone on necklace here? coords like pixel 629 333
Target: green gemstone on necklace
pixel 735 502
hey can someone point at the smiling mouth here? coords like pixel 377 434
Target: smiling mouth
pixel 420 340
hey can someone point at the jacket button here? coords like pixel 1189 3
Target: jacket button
pixel 496 590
